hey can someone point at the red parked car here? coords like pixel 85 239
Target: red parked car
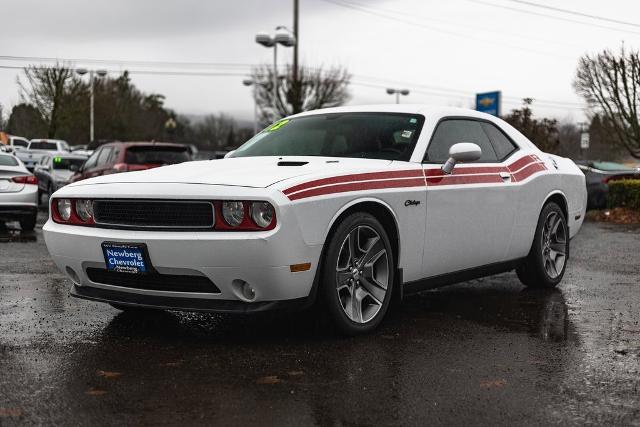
pixel 116 157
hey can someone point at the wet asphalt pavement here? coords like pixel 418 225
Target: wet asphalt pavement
pixel 483 352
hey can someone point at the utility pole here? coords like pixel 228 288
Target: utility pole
pixel 297 36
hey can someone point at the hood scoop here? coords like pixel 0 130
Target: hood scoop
pixel 291 163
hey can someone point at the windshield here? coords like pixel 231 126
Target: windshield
pixel 8 160
pixel 156 155
pixel 388 136
pixel 43 145
pixel 65 163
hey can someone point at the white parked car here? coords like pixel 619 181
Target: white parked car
pixel 18 192
pixel 41 147
pixel 348 205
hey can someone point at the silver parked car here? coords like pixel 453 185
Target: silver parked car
pixel 18 192
pixel 55 170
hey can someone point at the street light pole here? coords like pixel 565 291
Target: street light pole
pixel 285 38
pixel 398 92
pixel 91 119
pixel 100 73
pixel 251 82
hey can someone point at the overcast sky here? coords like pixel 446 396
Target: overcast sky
pixel 443 51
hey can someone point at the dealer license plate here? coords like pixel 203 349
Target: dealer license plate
pixel 126 257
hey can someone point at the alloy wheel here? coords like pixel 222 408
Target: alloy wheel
pixel 362 274
pixel 554 244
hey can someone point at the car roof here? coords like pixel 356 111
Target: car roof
pixel 141 144
pixel 48 140
pixel 65 155
pixel 401 108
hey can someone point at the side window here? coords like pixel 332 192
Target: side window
pixel 453 131
pixel 501 143
pixel 103 158
pixel 114 155
pixel 91 161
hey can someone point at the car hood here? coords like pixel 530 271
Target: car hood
pixel 256 172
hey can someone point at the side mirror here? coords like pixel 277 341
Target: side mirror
pixel 461 152
pixel 74 168
pixel 229 154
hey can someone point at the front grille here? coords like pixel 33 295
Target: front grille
pixel 153 282
pixel 158 214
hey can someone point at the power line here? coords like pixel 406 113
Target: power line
pixel 125 62
pixel 448 32
pixel 573 12
pixel 558 18
pixel 476 28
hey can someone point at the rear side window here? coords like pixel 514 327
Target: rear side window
pixel 8 161
pixel 20 143
pixel 502 145
pixel 43 145
pixel 103 158
pixel 157 155
pixel 453 131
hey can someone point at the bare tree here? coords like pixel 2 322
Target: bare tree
pixel 45 88
pixel 308 89
pixel 610 85
pixel 542 132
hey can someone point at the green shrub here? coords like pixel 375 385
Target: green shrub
pixel 624 193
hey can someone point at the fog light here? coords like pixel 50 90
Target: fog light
pixel 248 292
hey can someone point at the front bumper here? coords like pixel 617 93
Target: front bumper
pixel 228 259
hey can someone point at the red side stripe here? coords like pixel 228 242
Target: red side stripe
pixel 528 171
pixel 408 178
pixel 359 186
pixel 355 177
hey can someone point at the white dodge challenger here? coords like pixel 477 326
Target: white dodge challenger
pixel 349 206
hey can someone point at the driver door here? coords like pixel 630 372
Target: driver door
pixel 471 212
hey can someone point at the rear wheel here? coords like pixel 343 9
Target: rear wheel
pixel 28 223
pixel 358 274
pixel 545 265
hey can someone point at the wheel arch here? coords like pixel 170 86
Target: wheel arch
pixel 381 210
pixel 560 199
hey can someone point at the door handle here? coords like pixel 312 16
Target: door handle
pixel 506 176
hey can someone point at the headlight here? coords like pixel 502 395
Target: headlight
pixel 84 209
pixel 64 209
pixel 262 214
pixel 233 213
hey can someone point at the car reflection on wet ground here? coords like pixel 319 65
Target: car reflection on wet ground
pixel 486 351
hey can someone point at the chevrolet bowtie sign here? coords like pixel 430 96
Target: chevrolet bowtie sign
pixel 489 102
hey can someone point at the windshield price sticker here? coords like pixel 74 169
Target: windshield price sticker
pixel 277 125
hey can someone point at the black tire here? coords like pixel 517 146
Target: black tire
pixel 373 268
pixel 28 223
pixel 539 270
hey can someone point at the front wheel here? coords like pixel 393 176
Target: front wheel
pixel 358 274
pixel 546 263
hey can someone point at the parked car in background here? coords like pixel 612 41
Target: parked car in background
pixel 82 149
pixel 38 148
pixel 54 171
pixel 18 192
pixel 116 157
pixel 598 175
pixel 12 143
